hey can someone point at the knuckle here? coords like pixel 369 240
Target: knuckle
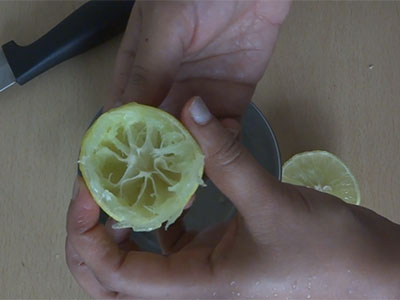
pixel 74 261
pixel 115 271
pixel 228 152
pixel 107 283
pixel 138 75
pixel 112 280
pixel 80 225
pixel 78 221
pixel 345 218
pixel 128 53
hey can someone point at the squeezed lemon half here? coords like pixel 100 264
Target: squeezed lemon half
pixel 141 166
pixel 324 172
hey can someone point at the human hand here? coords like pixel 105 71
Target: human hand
pixel 174 50
pixel 286 242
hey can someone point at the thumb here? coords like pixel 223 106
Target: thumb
pixel 254 192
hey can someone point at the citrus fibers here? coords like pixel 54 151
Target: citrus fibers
pixel 141 166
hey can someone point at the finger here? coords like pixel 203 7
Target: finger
pixel 175 237
pixel 168 238
pixel 159 53
pixel 121 236
pixel 118 235
pixel 231 167
pixel 125 57
pixel 89 238
pixel 133 273
pixel 209 237
pixel 190 202
pixel 83 275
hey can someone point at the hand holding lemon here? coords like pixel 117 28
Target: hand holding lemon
pixel 286 242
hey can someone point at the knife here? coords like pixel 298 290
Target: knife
pixel 90 25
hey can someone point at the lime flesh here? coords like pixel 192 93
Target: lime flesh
pixel 141 166
pixel 324 172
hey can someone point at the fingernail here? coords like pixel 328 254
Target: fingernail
pixel 75 191
pixel 199 111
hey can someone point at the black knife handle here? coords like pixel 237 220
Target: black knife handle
pixel 91 24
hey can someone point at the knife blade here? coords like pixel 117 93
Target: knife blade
pixel 90 25
pixel 7 78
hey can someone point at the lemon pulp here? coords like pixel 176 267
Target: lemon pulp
pixel 141 166
pixel 324 172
